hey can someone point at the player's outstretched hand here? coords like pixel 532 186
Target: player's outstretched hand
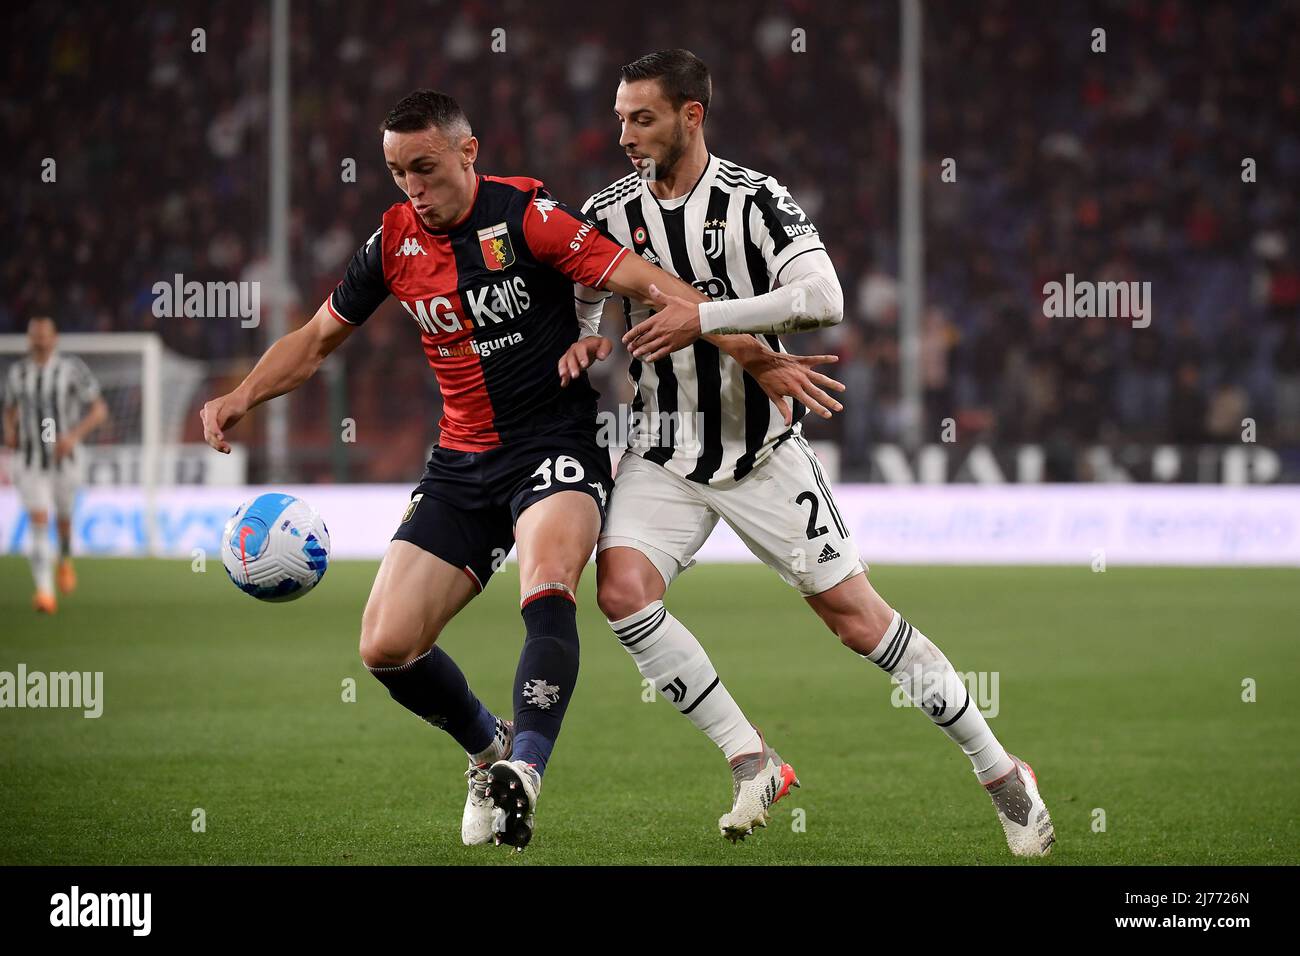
pixel 218 415
pixel 594 348
pixel 781 374
pixel 675 326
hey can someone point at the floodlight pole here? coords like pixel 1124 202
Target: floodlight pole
pixel 277 425
pixel 910 230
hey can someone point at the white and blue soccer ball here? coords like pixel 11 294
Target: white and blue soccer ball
pixel 275 547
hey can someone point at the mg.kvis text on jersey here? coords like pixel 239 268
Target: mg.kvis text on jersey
pixel 487 305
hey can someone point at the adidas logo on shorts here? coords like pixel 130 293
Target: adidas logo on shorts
pixel 828 554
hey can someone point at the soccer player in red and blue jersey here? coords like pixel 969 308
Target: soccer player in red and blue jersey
pixel 485 267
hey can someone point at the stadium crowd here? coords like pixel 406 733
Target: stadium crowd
pixel 1123 165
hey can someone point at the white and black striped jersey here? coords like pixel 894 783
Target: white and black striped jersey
pixel 697 412
pixel 50 399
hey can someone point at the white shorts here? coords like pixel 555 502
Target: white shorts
pixel 783 510
pixel 51 491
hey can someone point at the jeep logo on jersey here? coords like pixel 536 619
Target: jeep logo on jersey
pixel 507 299
pixel 411 247
pixel 714 288
pixel 494 242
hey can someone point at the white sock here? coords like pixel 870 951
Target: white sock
pixel 41 559
pixel 669 656
pixel 921 669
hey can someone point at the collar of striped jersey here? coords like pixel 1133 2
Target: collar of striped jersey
pixel 706 175
pixel 48 363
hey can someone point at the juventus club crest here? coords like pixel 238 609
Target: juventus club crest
pixel 494 242
pixel 713 237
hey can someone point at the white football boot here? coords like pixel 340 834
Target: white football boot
pixel 514 786
pixel 476 822
pixel 1022 811
pixel 758 780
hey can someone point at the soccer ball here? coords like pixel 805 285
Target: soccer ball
pixel 275 547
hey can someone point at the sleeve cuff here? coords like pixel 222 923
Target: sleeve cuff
pixel 618 257
pixel 335 312
pixel 713 315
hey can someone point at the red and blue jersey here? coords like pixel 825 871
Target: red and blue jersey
pixel 492 298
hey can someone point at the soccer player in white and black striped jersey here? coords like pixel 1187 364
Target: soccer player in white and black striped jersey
pixel 45 396
pixel 706 444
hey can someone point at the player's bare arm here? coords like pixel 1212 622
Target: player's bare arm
pixel 286 365
pixel 95 416
pixel 11 425
pixel 779 374
pixel 810 298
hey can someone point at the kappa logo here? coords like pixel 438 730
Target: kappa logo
pixel 544 206
pixel 828 554
pixel 411 247
pixel 600 490
pixel 541 694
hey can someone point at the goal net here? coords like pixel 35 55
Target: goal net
pixel 149 391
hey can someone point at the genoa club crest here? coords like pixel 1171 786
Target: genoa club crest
pixel 494 242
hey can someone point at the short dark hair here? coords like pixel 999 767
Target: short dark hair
pixel 425 109
pixel 681 74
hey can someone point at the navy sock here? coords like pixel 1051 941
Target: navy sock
pixel 433 688
pixel 547 674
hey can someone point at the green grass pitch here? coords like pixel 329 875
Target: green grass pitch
pixel 1123 689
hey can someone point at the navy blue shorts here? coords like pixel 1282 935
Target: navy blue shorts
pixel 465 507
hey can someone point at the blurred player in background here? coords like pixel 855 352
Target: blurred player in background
pixel 45 396
pixel 739 236
pixel 485 268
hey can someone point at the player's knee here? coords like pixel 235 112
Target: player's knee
pixel 859 631
pixel 856 634
pixel 386 644
pixel 39 518
pixel 559 570
pixel 621 595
